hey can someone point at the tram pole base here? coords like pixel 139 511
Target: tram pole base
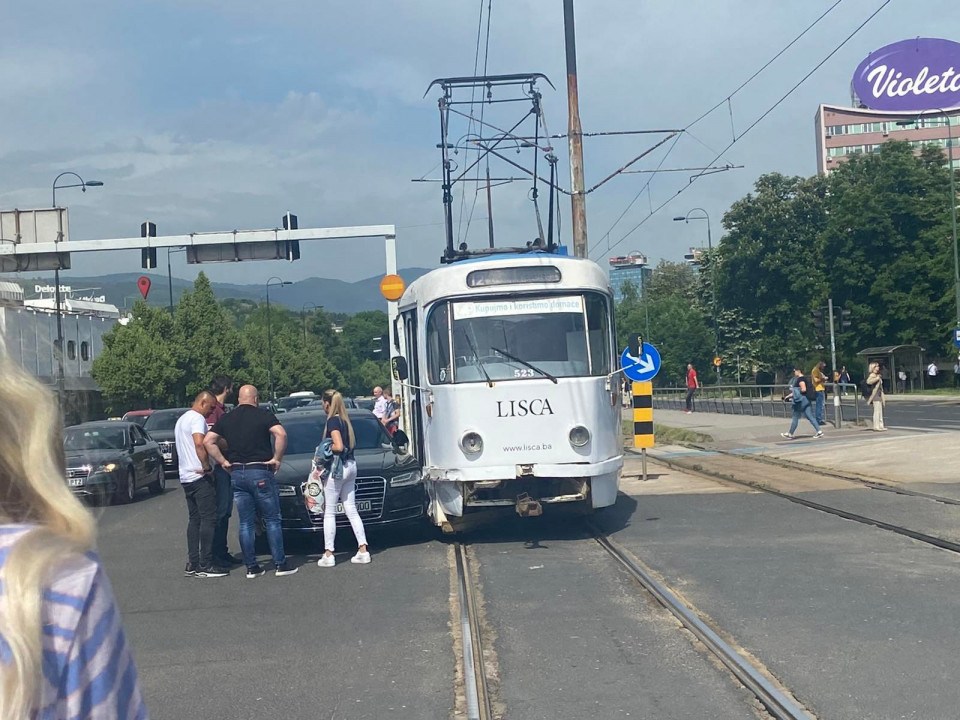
pixel 528 507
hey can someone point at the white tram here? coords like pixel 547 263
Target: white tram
pixel 508 400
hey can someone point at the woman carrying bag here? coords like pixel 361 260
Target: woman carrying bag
pixel 340 483
pixel 876 397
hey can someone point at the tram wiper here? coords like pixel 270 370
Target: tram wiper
pixel 476 356
pixel 524 362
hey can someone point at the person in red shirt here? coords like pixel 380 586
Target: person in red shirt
pixel 693 384
pixel 222 387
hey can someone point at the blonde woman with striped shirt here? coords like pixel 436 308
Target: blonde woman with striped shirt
pixel 63 653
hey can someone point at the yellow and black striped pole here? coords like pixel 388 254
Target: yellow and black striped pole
pixel 643 414
pixel 643 420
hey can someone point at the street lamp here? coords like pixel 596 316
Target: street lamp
pixel 303 317
pixel 270 334
pixel 170 274
pixel 713 286
pixel 953 201
pixel 58 350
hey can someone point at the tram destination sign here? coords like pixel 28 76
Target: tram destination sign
pixel 911 76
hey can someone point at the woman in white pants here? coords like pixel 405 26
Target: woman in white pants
pixel 341 489
pixel 875 381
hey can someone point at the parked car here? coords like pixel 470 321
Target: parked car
pixel 286 404
pixel 160 427
pixel 112 460
pixel 365 403
pixel 137 416
pixel 389 486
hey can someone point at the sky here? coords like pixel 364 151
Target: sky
pixel 207 115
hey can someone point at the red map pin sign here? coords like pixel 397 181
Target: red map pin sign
pixel 143 282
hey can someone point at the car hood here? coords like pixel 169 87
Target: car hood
pixel 93 457
pixel 161 435
pixel 295 468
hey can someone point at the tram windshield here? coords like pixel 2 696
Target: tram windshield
pixel 514 338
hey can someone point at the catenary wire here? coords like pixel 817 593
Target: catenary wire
pixel 755 122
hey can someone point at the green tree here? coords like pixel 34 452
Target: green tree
pixel 137 368
pixel 888 243
pixel 770 267
pixel 207 343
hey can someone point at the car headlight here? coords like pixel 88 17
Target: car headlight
pixel 579 436
pixel 407 478
pixel 107 468
pixel 471 443
pixel 286 491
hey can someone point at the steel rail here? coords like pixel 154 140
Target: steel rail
pixel 933 540
pixel 474 677
pixel 776 702
pixel 871 483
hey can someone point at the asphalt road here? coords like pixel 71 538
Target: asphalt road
pixel 351 641
pixel 923 415
pixel 856 622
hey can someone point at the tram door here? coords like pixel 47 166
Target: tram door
pixel 415 430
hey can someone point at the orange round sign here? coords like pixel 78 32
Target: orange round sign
pixel 392 287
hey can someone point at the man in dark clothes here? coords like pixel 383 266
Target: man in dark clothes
pixel 255 442
pixel 221 387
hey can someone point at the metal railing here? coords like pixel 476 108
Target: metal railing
pixel 758 400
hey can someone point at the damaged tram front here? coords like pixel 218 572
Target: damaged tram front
pixel 506 367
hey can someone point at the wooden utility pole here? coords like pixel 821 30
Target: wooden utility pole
pixel 578 202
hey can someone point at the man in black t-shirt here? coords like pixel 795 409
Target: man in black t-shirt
pixel 255 442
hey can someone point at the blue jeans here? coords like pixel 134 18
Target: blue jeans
pixel 255 490
pixel 803 408
pixel 821 405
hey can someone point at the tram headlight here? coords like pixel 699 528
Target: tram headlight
pixel 579 436
pixel 471 443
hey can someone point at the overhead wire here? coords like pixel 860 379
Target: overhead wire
pixel 483 107
pixel 757 121
pixel 727 100
pixel 473 95
pixel 763 115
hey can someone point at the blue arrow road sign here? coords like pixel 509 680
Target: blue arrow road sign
pixel 643 368
pixel 956 337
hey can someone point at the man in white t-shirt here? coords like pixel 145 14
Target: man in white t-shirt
pixel 380 406
pixel 196 479
pixel 932 372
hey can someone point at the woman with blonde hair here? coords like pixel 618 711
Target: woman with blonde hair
pixel 340 483
pixel 875 382
pixel 62 648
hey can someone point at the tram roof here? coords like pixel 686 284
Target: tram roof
pixel 451 280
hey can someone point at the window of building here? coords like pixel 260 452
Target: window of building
pixel 85 351
pixel 71 350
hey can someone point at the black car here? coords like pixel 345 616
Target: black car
pixel 389 488
pixel 112 459
pixel 160 427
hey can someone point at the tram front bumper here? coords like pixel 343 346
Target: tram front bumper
pixel 494 473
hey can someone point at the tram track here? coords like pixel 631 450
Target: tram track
pixel 476 691
pixel 696 467
pixel 776 702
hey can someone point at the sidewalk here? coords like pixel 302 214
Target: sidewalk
pixel 898 455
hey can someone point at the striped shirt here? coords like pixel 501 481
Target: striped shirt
pixel 88 671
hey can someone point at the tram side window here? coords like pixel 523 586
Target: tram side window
pixel 598 332
pixel 438 345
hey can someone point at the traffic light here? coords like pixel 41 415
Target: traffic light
pixel 148 256
pixel 293 246
pixel 818 322
pixel 844 319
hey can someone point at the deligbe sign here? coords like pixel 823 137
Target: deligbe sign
pixel 911 76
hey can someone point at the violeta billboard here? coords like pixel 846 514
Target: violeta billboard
pixel 911 76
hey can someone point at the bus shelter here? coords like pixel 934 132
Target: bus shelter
pixel 896 358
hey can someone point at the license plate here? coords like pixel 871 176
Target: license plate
pixel 75 482
pixel 362 506
pixel 168 456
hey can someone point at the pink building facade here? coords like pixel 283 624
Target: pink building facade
pixel 845 131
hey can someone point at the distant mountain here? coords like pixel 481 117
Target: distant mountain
pixel 336 296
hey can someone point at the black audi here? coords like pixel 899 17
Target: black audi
pixel 112 460
pixel 389 488
pixel 160 427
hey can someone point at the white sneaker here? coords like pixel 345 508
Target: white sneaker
pixel 361 558
pixel 327 561
pixel 788 436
